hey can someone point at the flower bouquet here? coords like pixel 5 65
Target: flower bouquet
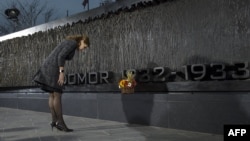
pixel 128 84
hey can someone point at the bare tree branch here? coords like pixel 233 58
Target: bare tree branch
pixel 31 13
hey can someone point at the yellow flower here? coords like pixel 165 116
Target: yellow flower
pixel 128 82
pixel 122 83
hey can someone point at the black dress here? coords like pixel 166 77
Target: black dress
pixel 48 74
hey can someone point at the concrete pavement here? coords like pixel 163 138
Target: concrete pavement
pixel 24 125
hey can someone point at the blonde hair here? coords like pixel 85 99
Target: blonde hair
pixel 78 38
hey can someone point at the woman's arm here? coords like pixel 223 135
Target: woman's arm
pixel 61 76
pixel 68 47
pixel 61 69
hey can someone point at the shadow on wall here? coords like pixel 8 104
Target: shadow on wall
pixel 207 111
pixel 138 107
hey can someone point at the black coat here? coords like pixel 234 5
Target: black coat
pixel 48 74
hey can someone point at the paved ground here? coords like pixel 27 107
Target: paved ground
pixel 23 125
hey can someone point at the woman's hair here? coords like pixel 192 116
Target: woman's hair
pixel 78 38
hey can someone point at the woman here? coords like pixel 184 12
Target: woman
pixel 50 76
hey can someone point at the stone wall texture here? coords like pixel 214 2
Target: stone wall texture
pixel 170 34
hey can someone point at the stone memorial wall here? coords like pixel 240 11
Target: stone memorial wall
pixel 169 34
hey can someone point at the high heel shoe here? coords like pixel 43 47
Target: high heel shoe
pixel 63 127
pixel 53 124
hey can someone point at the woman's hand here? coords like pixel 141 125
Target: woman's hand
pixel 61 79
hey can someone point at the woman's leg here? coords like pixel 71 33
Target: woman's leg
pixel 58 109
pixel 51 107
pixel 57 104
